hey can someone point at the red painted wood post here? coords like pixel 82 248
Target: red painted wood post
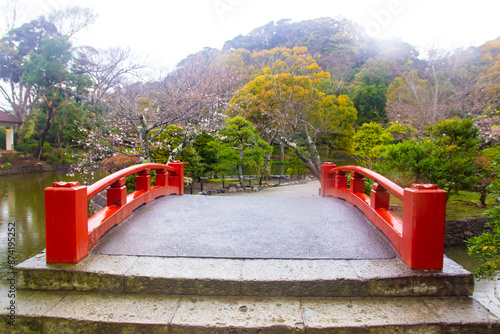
pixel 116 194
pixel 357 183
pixel 161 178
pixel 66 223
pixel 424 214
pixel 176 179
pixel 380 198
pixel 340 180
pixel 327 180
pixel 143 180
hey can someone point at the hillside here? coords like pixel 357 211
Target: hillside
pixel 337 45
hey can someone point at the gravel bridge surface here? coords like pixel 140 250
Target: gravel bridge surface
pixel 288 222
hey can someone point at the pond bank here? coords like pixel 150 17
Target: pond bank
pixel 459 230
pixel 32 167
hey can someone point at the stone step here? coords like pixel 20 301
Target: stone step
pixel 82 312
pixel 244 277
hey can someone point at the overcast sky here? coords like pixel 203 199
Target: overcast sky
pixel 165 31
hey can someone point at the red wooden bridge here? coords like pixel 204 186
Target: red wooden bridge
pixel 302 263
pixel 418 237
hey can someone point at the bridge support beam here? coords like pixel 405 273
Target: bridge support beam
pixel 341 179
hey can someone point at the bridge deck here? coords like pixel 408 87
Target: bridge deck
pixel 285 223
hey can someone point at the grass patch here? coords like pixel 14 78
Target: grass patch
pixel 466 204
pixel 463 205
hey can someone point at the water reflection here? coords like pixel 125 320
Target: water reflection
pixel 22 203
pixel 485 291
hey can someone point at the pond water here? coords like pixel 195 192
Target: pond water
pixel 22 203
pixel 485 291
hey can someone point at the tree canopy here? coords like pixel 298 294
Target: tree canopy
pixel 238 144
pixel 313 88
pixel 289 100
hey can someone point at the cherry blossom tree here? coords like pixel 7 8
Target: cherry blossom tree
pixel 192 97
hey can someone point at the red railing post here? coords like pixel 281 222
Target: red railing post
pixel 66 228
pixel 340 179
pixel 143 180
pixel 380 198
pixel 116 194
pixel 176 179
pixel 424 214
pixel 161 178
pixel 357 183
pixel 327 180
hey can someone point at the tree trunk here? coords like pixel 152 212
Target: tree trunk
pixel 305 159
pixel 282 150
pixel 146 151
pixel 435 97
pixel 328 150
pixel 313 151
pixel 43 135
pixel 482 199
pixel 240 168
pixel 143 137
pixel 176 151
pixel 267 167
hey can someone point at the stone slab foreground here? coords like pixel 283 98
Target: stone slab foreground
pixel 244 277
pixel 71 312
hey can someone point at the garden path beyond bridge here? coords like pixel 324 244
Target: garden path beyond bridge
pixel 293 223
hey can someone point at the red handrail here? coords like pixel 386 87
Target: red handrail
pixel 70 234
pixel 419 236
pixel 388 185
pixel 107 181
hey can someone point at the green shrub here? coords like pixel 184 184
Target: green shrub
pixel 2 137
pixel 486 247
pixel 491 153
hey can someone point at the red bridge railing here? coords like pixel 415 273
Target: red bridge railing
pixel 70 234
pixel 419 236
